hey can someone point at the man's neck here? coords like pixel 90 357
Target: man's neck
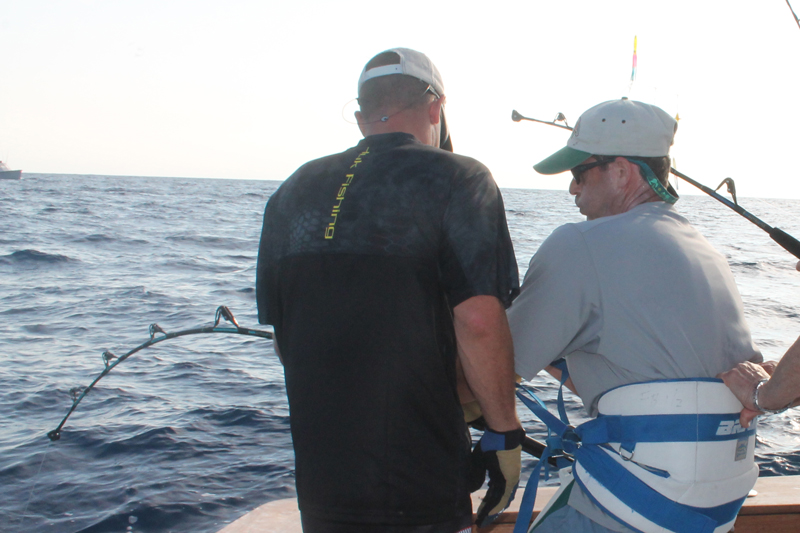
pixel 636 192
pixel 641 195
pixel 410 120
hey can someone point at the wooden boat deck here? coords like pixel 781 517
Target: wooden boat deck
pixel 775 509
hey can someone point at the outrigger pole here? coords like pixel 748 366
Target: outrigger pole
pixel 222 312
pixel 786 241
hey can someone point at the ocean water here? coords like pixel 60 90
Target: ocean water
pixel 193 432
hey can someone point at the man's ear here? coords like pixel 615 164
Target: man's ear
pixel 435 110
pixel 624 173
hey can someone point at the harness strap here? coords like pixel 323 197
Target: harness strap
pixel 561 364
pixel 561 439
pixel 663 428
pixel 588 441
pixel 529 496
pixel 649 503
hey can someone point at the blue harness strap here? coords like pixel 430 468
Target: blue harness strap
pixel 663 428
pixel 649 503
pixel 588 443
pixel 561 439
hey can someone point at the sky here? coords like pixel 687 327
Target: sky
pixel 251 89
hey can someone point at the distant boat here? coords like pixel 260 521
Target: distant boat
pixel 6 174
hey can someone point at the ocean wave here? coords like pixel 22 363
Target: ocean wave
pixel 34 256
pixel 139 291
pixel 239 416
pixel 744 264
pixel 147 439
pixel 19 311
pixel 778 464
pixel 242 258
pixel 183 370
pixel 38 328
pixel 94 238
pixel 202 264
pixel 224 242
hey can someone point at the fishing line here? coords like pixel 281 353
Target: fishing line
pixel 33 489
pixel 786 241
pixel 78 393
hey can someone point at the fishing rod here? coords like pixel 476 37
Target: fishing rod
pixel 786 241
pixel 530 445
pixel 793 13
pixel 222 312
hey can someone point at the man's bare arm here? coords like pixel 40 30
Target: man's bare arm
pixel 782 389
pixel 486 354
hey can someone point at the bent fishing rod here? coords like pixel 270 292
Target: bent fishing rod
pixel 531 446
pixel 222 312
pixel 786 241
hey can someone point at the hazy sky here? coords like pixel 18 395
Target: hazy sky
pixel 252 89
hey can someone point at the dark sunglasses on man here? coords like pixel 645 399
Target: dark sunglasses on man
pixel 577 172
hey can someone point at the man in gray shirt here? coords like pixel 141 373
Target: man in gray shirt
pixel 635 295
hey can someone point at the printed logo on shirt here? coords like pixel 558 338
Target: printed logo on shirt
pixel 337 206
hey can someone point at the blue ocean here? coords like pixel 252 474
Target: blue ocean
pixel 191 433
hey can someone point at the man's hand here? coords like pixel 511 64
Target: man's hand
pixel 499 454
pixel 781 390
pixel 742 380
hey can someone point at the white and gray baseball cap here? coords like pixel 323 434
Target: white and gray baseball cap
pixel 617 127
pixel 417 65
pixel 412 63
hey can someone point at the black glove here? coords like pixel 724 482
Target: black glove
pixel 500 455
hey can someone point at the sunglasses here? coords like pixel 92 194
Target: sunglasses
pixel 431 90
pixel 577 172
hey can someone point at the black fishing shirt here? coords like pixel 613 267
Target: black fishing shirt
pixel 363 256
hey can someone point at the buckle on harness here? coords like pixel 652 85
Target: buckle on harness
pixel 627 451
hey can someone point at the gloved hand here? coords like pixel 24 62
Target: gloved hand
pixel 499 454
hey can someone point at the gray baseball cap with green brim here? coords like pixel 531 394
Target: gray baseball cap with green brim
pixel 617 127
pixel 563 160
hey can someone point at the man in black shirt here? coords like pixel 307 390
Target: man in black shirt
pixel 380 268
